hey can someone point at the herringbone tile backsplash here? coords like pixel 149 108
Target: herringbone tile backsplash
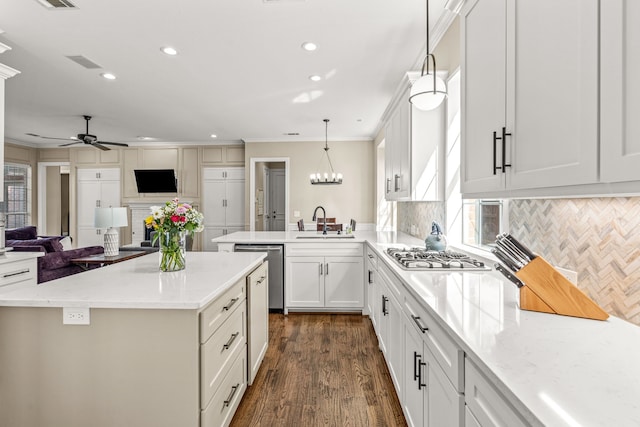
pixel 599 238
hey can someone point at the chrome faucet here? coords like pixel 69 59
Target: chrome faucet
pixel 324 218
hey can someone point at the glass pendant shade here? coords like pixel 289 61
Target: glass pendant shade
pixel 422 94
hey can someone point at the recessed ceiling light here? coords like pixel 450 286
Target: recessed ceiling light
pixel 108 76
pixel 309 46
pixel 145 138
pixel 169 50
pixel 315 78
pixel 213 135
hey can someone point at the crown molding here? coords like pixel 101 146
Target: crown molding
pixel 310 139
pixel 4 47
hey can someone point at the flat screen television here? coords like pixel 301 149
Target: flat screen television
pixel 156 181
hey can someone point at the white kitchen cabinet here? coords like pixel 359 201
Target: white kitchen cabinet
pixel 620 91
pixel 223 202
pixel 486 404
pixel 414 149
pixel 95 188
pixel 258 319
pixel 324 276
pixel 18 271
pixel 529 95
pixel 371 272
pixel 390 336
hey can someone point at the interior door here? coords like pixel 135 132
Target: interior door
pixel 276 199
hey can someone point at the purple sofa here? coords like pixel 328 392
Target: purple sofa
pixel 56 262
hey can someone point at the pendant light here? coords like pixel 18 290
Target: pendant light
pixel 429 90
pixel 330 177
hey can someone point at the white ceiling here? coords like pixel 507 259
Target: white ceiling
pixel 240 73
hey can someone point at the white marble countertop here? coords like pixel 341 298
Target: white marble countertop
pixel 138 283
pixel 555 370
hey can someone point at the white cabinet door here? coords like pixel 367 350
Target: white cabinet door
pixel 483 63
pixel 88 199
pixel 395 347
pixel 552 93
pixel 234 203
pixel 620 91
pixel 402 149
pixel 258 318
pixel 213 197
pixel 370 285
pixel 110 194
pixel 445 405
pixel 414 385
pixel 537 90
pixel 389 158
pixel 343 282
pixel 95 188
pixel 304 281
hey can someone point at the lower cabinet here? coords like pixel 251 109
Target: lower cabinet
pixel 488 408
pixel 429 397
pixel 324 276
pixel 390 329
pixel 223 356
pixel 371 272
pixel 258 318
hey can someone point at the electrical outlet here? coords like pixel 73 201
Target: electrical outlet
pixel 571 275
pixel 414 230
pixel 296 214
pixel 75 316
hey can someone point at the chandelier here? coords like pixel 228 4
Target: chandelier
pixel 329 177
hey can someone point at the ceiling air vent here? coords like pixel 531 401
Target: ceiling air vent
pixel 57 4
pixel 85 62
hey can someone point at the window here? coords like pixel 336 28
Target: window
pixel 482 222
pixel 17 195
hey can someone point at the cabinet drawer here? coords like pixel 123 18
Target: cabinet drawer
pixel 218 352
pixel 445 351
pixel 225 401
pixel 19 271
pixel 372 258
pixel 219 310
pixel 323 249
pixel 258 275
pixel 486 404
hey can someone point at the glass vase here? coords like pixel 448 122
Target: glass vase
pixel 172 250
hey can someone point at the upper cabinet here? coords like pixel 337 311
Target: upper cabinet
pixel 414 149
pixel 620 90
pixel 548 98
pixel 529 95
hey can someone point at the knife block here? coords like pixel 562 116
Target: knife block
pixel 548 291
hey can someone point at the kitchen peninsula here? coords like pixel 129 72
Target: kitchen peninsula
pixel 485 361
pixel 129 345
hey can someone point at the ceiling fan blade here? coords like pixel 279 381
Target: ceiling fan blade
pixel 100 146
pixel 121 144
pixel 70 143
pixel 49 137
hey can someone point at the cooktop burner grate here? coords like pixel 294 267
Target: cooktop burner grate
pixel 422 259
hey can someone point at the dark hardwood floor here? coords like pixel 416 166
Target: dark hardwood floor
pixel 321 370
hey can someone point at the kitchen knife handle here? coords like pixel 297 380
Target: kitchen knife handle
pixel 504 150
pixel 506 273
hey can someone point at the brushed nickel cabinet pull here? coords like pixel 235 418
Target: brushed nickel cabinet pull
pixel 228 306
pixel 230 397
pixel 231 340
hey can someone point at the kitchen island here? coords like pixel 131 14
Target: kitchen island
pixel 127 344
pixel 499 365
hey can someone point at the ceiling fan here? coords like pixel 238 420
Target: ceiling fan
pixel 85 138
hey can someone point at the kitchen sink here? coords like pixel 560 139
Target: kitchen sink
pixel 324 236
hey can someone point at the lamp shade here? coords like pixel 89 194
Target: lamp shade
pixel 422 95
pixel 110 217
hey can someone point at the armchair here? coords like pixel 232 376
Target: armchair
pixel 56 262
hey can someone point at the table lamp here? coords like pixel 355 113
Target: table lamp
pixel 110 218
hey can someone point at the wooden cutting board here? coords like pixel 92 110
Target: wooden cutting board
pixel 548 291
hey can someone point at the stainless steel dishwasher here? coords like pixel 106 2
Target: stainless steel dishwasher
pixel 275 256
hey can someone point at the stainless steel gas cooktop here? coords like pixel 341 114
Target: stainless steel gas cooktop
pixel 422 259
